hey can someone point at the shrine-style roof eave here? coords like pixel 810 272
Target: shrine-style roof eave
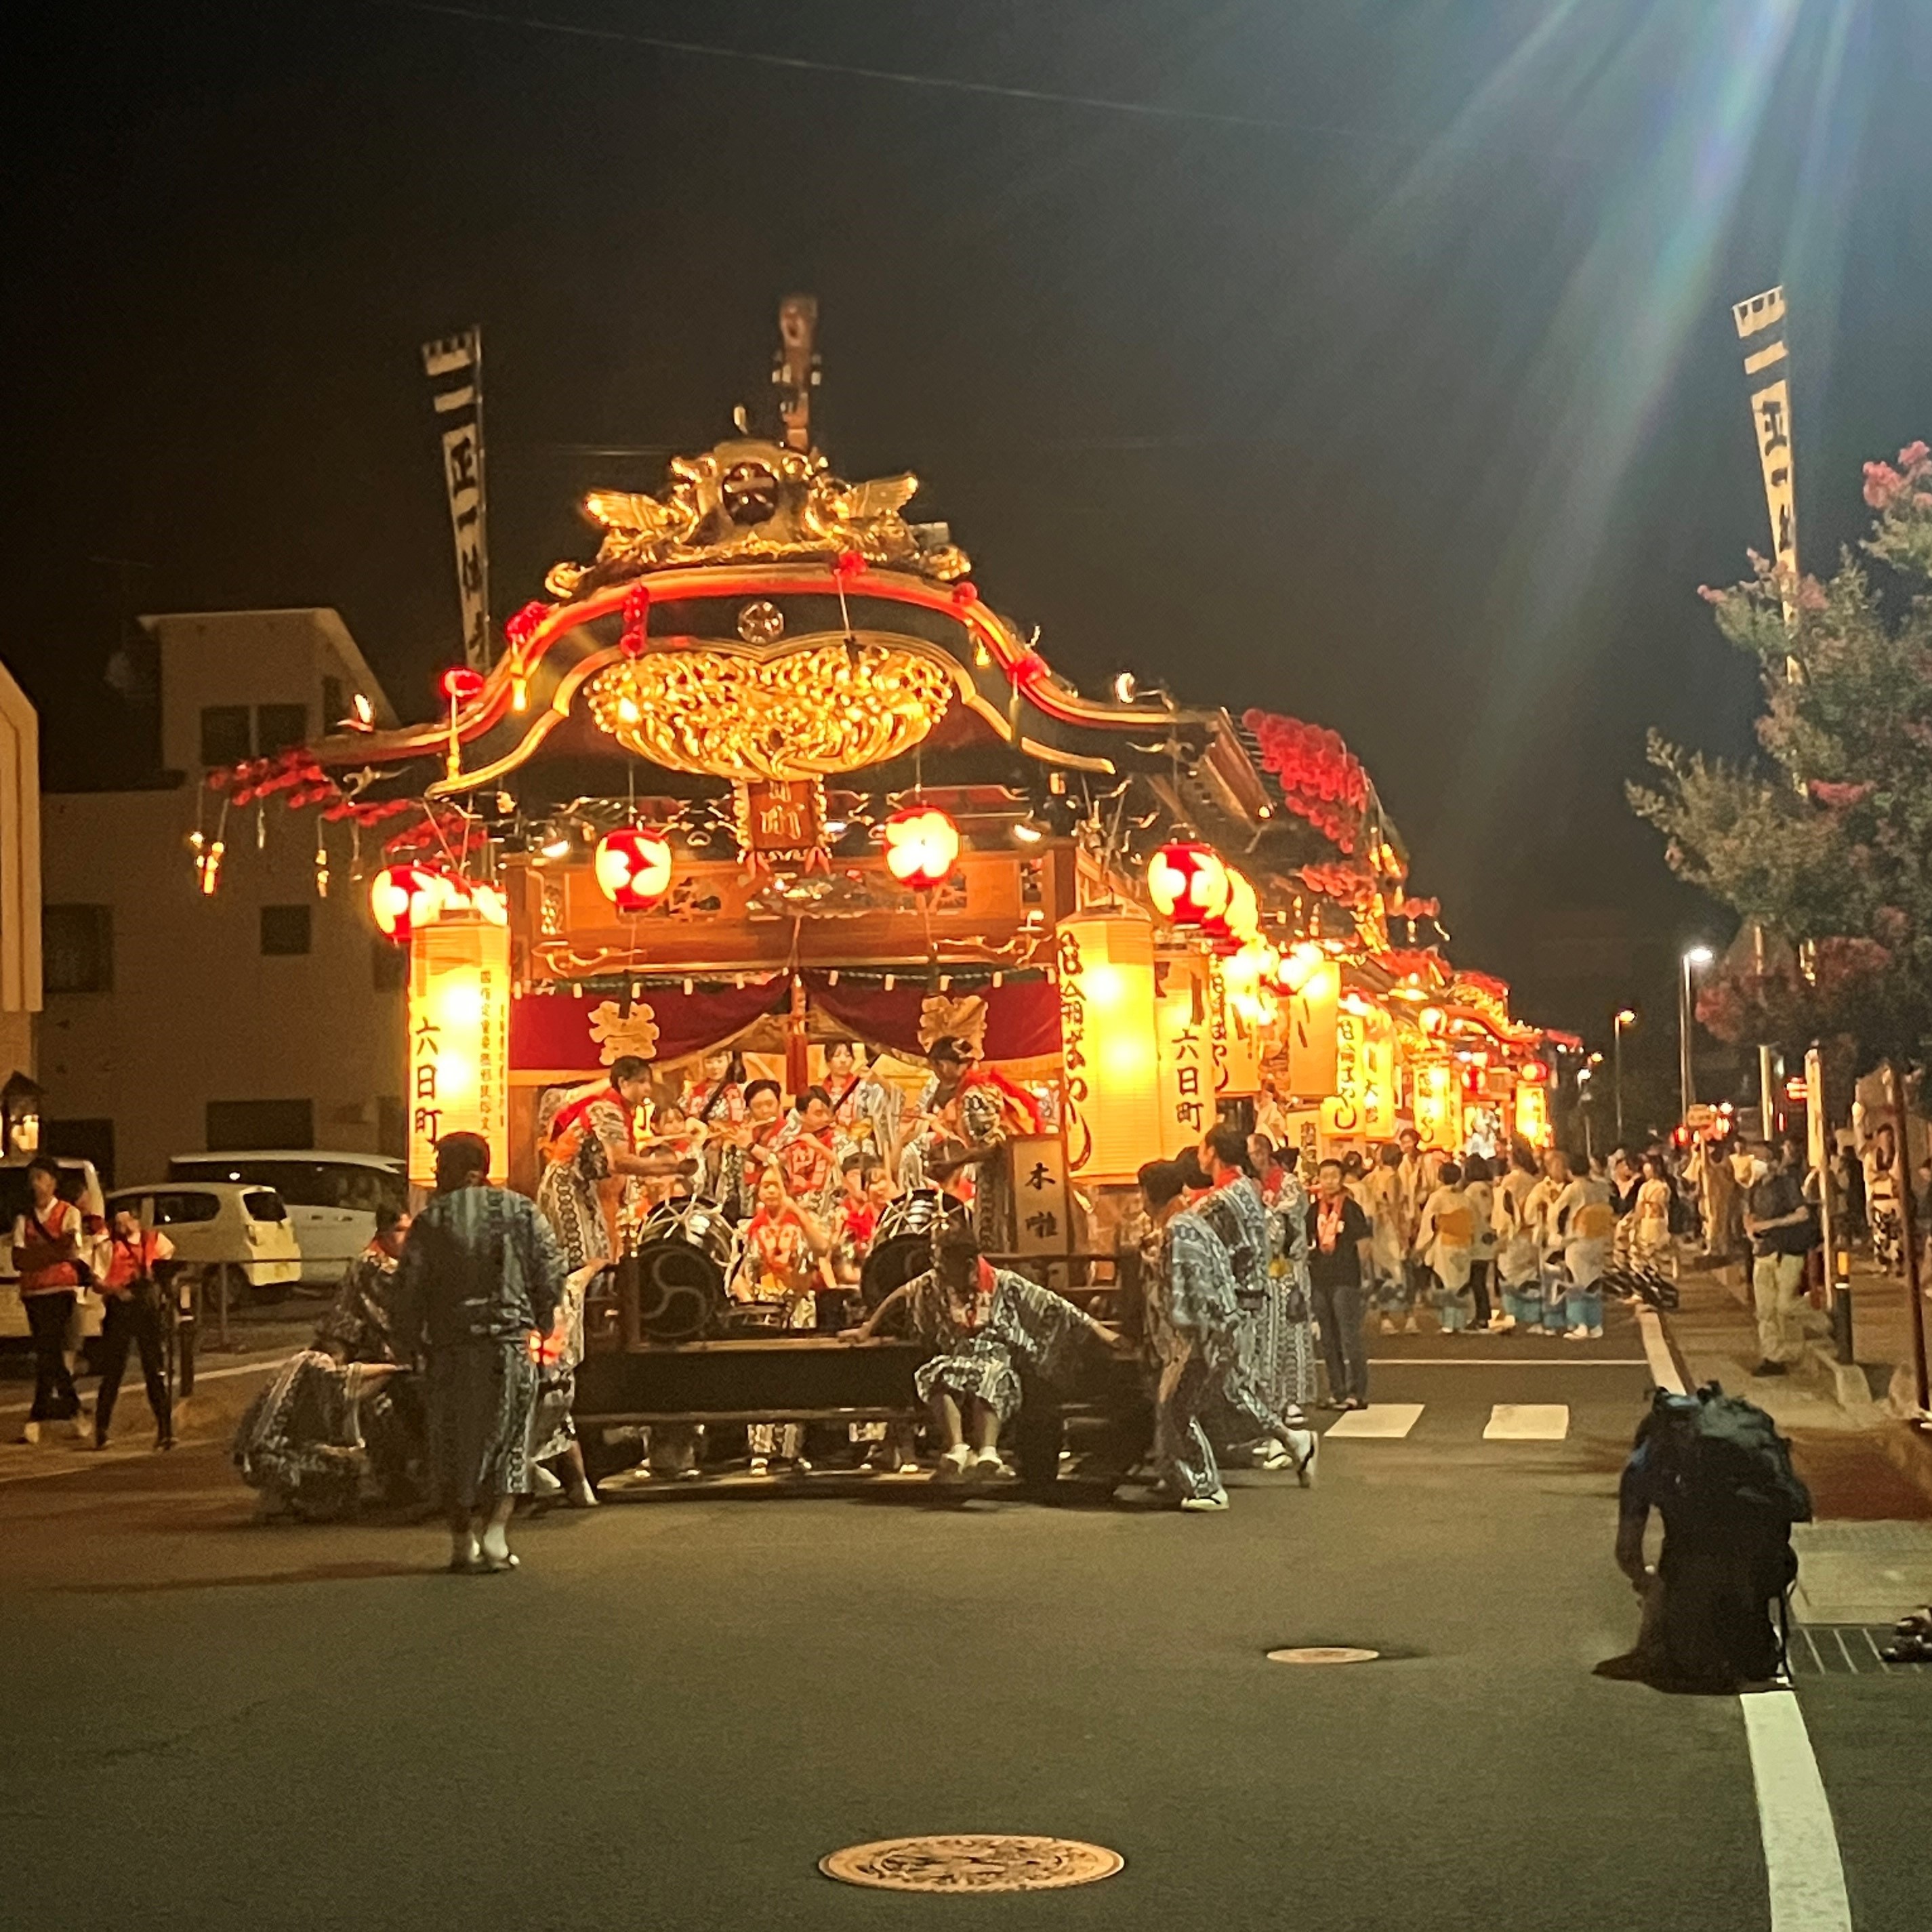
pixel 1000 678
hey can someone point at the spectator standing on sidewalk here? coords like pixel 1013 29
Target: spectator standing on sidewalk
pixel 133 1312
pixel 47 1241
pixel 1780 1224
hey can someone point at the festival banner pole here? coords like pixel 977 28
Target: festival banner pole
pixel 454 368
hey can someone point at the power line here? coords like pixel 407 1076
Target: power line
pixel 1143 110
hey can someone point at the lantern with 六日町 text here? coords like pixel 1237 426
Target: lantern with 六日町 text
pixel 1188 884
pixel 921 846
pixel 633 867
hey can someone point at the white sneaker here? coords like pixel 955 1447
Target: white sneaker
pixel 1596 1334
pixel 987 1463
pixel 1411 1327
pixel 952 1464
pixel 1205 1505
pixel 1388 1325
pixel 30 1432
pixel 1579 1333
pixel 760 1465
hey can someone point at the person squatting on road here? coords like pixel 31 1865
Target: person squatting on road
pixel 477 1289
pixel 1193 1319
pixel 133 1311
pixel 987 1327
pixel 1716 1468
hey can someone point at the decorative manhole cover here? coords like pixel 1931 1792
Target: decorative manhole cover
pixel 970 1862
pixel 1323 1653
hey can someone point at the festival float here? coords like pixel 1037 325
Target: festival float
pixel 771 771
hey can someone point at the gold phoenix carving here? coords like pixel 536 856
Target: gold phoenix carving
pixel 793 714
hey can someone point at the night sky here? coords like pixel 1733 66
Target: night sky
pixel 1377 367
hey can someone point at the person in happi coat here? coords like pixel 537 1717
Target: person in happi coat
pixel 1232 1207
pixel 1284 1346
pixel 1193 1323
pixel 357 1325
pixel 1445 1241
pixel 811 1147
pixel 986 1326
pixel 1384 1203
pixel 979 1109
pixel 748 1148
pixel 591 1148
pixel 782 1264
pixel 476 1291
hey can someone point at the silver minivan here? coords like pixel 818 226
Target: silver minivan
pixel 331 1198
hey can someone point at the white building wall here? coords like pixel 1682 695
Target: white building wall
pixel 197 1013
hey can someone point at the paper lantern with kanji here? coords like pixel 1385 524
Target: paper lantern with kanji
pixel 1188 884
pixel 921 846
pixel 402 899
pixel 633 867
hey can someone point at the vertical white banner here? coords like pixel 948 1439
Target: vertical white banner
pixel 455 369
pixel 1760 325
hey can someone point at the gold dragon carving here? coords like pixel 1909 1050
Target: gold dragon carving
pixel 751 501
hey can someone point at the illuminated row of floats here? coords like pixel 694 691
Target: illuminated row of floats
pixel 770 772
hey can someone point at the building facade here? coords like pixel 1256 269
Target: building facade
pixel 260 1014
pixel 19 879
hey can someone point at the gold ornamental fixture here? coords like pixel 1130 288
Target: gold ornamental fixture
pixel 797 713
pixel 749 501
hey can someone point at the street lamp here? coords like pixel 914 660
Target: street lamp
pixel 1628 1017
pixel 1695 957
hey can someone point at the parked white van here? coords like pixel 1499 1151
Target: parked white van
pixel 331 1198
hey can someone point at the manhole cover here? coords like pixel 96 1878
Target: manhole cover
pixel 1323 1653
pixel 966 1862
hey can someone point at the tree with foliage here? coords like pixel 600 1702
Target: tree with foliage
pixel 1828 847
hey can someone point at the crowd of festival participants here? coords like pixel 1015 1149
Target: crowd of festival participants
pixel 1258 1285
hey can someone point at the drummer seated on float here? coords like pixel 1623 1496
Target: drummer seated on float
pixel 987 1327
pixel 782 1269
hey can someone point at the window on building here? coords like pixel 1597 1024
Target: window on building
pixel 77 948
pixel 388 966
pixel 238 1125
pixel 279 726
pixel 334 703
pixel 225 738
pixel 285 930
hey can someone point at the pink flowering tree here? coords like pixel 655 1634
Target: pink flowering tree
pixel 1827 839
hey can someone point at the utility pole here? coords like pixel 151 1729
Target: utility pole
pixel 1627 1017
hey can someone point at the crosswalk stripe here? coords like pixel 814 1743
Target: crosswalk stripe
pixel 1527 1422
pixel 1388 1421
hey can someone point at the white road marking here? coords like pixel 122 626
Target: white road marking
pixel 1657 1354
pixel 258 1366
pixel 1527 1422
pixel 1801 1861
pixel 1388 1421
pixel 1509 1361
pixel 1800 1844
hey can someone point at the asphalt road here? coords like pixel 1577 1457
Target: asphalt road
pixel 678 1705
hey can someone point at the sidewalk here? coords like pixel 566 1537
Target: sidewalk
pixel 1862 1459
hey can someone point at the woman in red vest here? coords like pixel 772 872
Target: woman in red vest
pixel 48 1239
pixel 132 1296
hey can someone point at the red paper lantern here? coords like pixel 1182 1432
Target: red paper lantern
pixel 1188 884
pixel 633 867
pixel 404 898
pixel 460 685
pixel 1535 1071
pixel 921 846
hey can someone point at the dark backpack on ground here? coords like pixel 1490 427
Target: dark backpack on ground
pixel 1729 1495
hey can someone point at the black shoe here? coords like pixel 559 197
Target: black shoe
pixel 1770 1369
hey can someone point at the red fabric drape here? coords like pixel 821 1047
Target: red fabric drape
pixel 1022 1020
pixel 552 1031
